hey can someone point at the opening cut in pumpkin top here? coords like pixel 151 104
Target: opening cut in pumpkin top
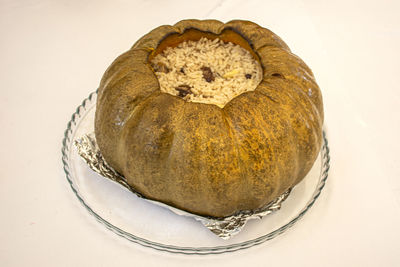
pixel 206 71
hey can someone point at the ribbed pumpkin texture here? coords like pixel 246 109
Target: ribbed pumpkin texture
pixel 199 157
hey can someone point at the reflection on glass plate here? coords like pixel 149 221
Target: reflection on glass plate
pixel 152 226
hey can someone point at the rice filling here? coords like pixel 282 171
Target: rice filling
pixel 207 71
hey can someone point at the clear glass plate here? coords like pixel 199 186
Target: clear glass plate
pixel 152 226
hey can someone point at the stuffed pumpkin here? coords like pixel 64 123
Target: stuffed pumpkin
pixel 207 159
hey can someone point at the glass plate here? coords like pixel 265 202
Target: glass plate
pixel 152 226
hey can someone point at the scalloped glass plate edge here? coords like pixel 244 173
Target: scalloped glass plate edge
pixel 66 150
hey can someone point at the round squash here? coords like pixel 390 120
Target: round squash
pixel 202 158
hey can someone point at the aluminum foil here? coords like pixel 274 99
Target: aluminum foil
pixel 223 227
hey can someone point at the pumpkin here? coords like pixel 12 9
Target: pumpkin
pixel 201 158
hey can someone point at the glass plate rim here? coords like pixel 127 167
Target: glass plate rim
pixel 67 142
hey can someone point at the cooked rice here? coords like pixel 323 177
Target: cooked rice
pixel 207 71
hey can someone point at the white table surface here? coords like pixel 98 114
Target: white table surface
pixel 53 54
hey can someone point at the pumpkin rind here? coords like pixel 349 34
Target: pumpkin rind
pixel 201 158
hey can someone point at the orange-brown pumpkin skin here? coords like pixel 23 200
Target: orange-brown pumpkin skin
pixel 201 158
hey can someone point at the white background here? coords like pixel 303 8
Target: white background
pixel 53 54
